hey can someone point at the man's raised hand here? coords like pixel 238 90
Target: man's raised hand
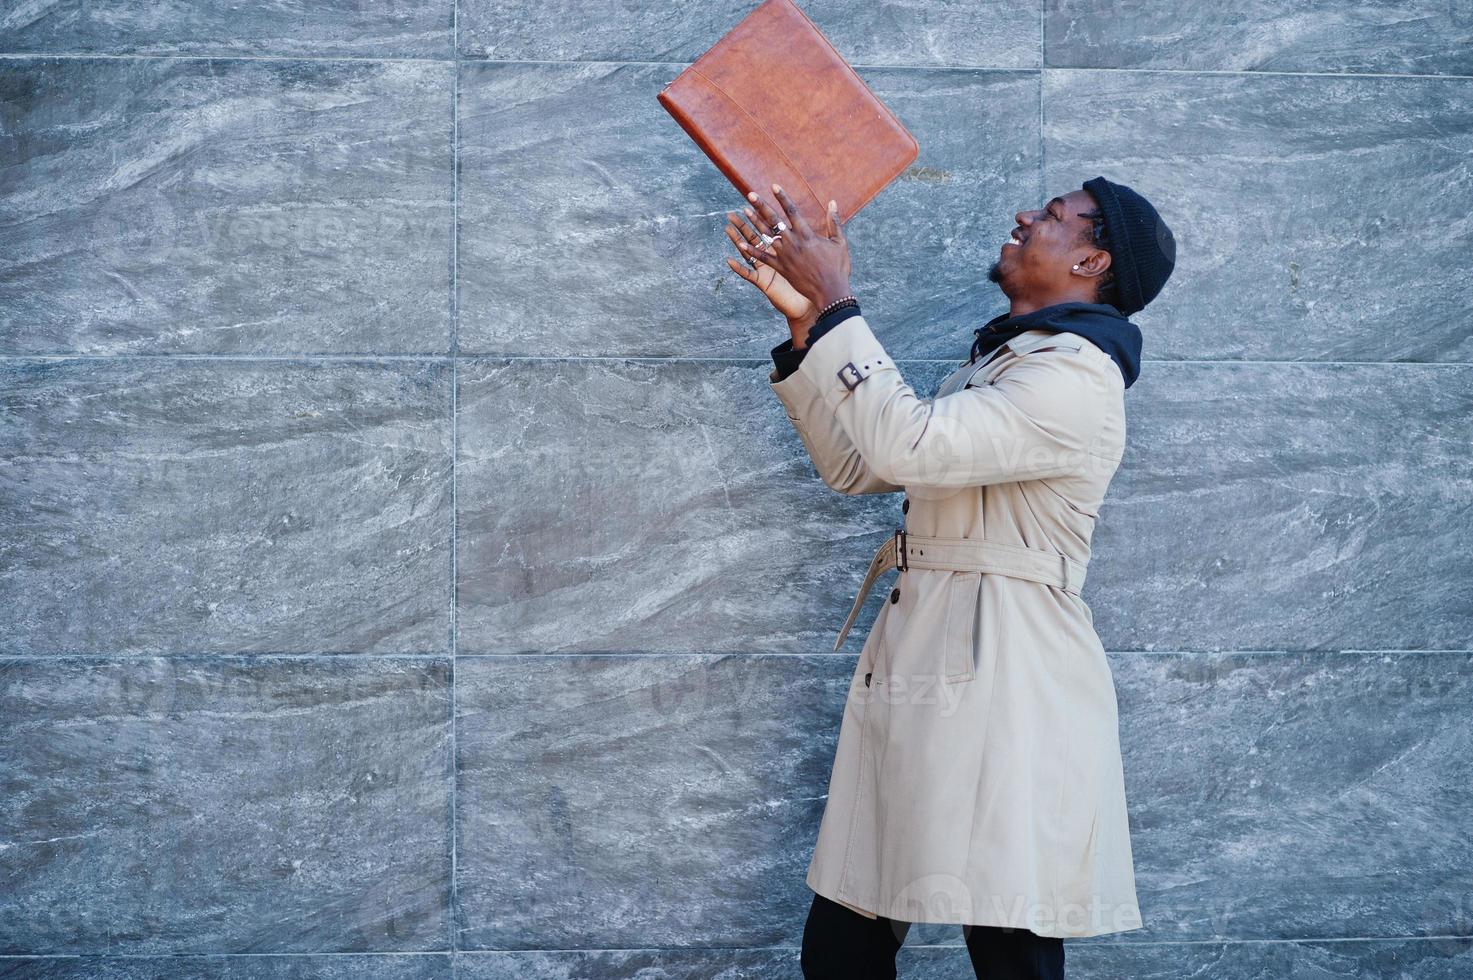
pixel 779 292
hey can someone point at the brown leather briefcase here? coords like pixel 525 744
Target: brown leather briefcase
pixel 772 102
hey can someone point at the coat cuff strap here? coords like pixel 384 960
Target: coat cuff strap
pixel 788 360
pixel 845 360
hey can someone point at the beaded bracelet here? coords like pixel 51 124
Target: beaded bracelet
pixel 846 301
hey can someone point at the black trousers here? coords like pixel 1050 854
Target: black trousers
pixel 841 944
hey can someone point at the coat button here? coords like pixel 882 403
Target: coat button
pixel 905 506
pixel 894 595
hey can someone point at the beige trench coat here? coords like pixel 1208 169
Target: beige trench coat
pixel 978 776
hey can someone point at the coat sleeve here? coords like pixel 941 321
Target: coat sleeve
pixel 1040 418
pixel 835 457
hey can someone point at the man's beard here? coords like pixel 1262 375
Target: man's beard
pixel 994 272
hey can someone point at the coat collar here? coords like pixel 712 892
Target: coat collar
pixel 1030 340
pixel 1027 341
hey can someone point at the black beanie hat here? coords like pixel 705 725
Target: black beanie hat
pixel 1142 249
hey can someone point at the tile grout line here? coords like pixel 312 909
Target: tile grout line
pixel 1042 146
pixel 137 56
pixel 454 498
pixel 1042 49
pixel 1241 72
pixel 646 358
pixel 353 656
pixel 492 951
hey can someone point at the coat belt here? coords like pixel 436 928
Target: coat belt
pixel 906 551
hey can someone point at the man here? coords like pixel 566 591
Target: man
pixel 978 777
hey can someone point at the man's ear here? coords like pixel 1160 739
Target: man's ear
pixel 1094 263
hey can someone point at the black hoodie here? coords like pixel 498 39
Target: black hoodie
pixel 1099 323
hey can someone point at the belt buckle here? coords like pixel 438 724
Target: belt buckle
pixel 900 561
pixel 851 369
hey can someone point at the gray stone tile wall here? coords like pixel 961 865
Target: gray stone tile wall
pixel 405 571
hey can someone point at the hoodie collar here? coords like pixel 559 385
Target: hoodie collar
pixel 1100 323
